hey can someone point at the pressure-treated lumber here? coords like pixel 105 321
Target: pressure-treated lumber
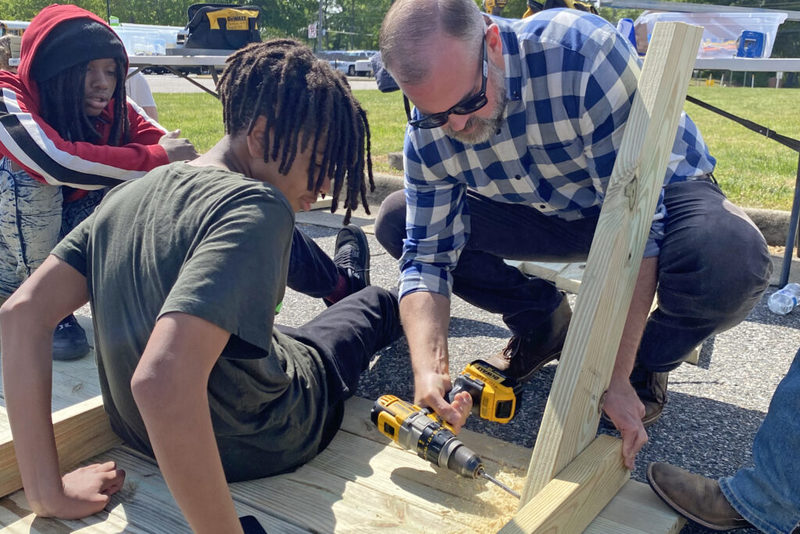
pixel 82 431
pixel 362 482
pixel 571 501
pixel 572 413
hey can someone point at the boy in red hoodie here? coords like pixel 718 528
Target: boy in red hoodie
pixel 67 134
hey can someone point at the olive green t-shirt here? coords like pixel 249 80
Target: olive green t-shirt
pixel 214 244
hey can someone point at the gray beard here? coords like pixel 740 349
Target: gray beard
pixel 479 130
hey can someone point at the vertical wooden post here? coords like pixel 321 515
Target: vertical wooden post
pixel 572 412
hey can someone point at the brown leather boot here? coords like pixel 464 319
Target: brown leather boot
pixel 525 354
pixel 693 496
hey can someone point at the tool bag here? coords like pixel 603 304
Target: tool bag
pixel 222 26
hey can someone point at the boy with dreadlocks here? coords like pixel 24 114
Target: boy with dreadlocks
pixel 66 134
pixel 193 368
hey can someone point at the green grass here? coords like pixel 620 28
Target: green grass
pixel 198 115
pixel 753 171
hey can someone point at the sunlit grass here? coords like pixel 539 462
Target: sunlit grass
pixel 754 171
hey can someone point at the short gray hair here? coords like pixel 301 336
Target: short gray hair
pixel 409 25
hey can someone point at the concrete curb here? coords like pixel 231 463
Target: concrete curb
pixel 774 224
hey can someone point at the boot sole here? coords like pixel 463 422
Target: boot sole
pixel 700 521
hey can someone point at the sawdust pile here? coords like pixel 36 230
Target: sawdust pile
pixel 493 506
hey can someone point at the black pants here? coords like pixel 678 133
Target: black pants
pixel 347 335
pixel 712 268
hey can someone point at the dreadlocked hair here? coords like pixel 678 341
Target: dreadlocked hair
pixel 62 106
pixel 306 103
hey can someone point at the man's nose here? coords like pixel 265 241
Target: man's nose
pixel 457 122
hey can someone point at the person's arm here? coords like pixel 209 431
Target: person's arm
pixel 436 233
pixel 36 147
pixel 170 389
pixel 27 321
pixel 426 318
pixel 622 404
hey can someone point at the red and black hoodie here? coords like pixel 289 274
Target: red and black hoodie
pixel 36 147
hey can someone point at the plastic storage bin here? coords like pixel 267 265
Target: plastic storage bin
pixel 722 34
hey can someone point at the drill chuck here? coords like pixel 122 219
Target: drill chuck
pixel 433 440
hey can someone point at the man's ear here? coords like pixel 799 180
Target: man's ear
pixel 494 43
pixel 256 139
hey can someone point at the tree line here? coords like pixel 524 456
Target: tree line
pixel 348 24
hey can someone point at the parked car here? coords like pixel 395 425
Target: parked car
pixel 350 62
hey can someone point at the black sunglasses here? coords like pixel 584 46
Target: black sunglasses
pixel 471 104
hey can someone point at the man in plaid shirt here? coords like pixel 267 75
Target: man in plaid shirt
pixel 508 153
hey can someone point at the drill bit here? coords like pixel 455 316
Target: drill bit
pixel 490 478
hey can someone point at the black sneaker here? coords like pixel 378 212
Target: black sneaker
pixel 352 257
pixel 526 354
pixel 69 340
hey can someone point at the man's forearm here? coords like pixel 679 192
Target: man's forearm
pixel 641 303
pixel 426 320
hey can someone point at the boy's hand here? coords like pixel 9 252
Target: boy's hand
pixel 177 148
pixel 87 490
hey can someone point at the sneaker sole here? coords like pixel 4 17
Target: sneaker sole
pixel 74 354
pixel 744 523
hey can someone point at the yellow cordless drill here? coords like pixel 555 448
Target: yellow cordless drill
pixel 417 429
pixel 494 395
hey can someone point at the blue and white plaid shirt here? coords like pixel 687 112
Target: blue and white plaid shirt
pixel 570 80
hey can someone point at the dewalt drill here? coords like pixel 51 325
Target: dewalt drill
pixel 423 432
pixel 494 395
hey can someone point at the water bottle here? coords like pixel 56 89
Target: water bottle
pixel 785 299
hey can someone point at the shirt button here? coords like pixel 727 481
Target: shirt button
pixel 542 206
pixel 499 131
pixel 517 177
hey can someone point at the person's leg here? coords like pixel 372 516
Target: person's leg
pixel 501 231
pixel 313 273
pixel 702 290
pixel 768 494
pixel 349 333
pixel 30 220
pixel 73 213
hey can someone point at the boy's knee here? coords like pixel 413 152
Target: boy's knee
pixel 390 224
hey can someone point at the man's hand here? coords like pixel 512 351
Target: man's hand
pixel 86 491
pixel 177 148
pixel 429 390
pixel 623 407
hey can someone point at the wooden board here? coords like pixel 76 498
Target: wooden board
pixel 361 483
pixel 570 420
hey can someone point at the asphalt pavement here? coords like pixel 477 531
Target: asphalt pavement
pixel 714 408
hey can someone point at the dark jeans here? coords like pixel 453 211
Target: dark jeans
pixel 347 335
pixel 712 269
pixel 311 271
